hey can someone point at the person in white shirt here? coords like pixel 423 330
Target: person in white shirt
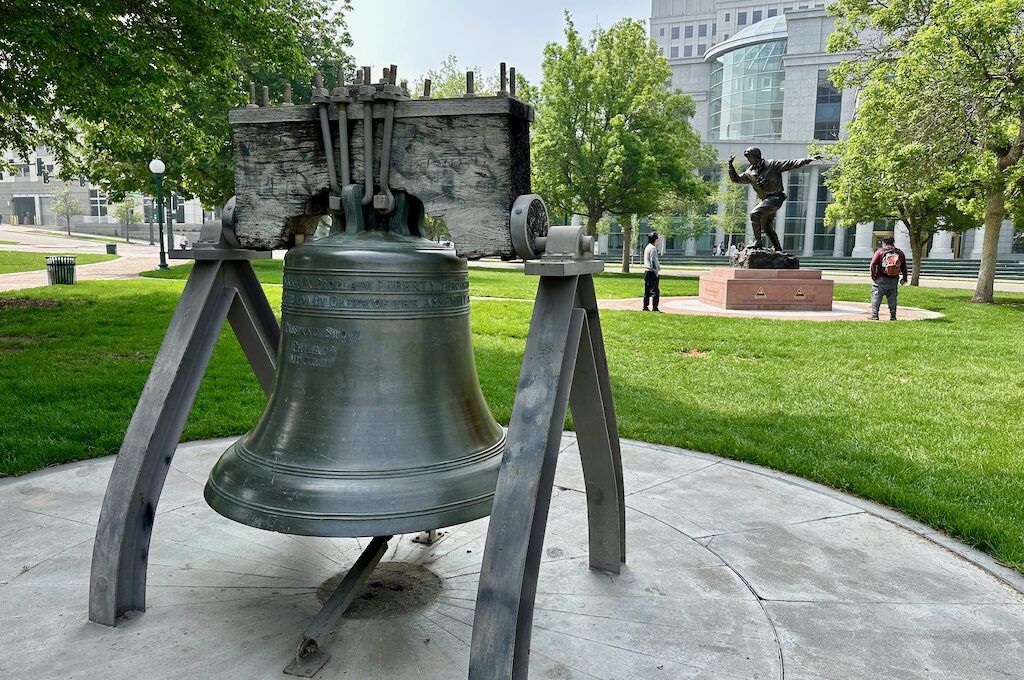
pixel 733 251
pixel 652 268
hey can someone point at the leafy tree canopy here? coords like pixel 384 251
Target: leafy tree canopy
pixel 448 81
pixel 108 84
pixel 611 136
pixel 959 66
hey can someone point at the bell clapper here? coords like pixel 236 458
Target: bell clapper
pixel 308 657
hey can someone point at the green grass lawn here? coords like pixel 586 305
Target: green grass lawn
pixel 11 261
pixel 8 243
pixel 921 416
pixel 487 282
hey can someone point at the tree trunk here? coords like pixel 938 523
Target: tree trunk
pixel 67 220
pixel 994 212
pixel 626 221
pixel 916 252
pixel 592 220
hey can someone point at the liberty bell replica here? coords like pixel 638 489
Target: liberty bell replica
pixel 375 423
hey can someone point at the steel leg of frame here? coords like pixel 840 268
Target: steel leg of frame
pixel 508 576
pixel 120 554
pixel 597 432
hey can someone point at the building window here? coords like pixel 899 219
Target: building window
pixel 688 51
pixel 688 32
pixel 702 31
pixel 772 13
pixel 97 203
pixel 824 239
pixel 741 18
pixel 827 109
pixel 756 16
pixel 714 29
pixel 675 52
pixel 726 36
pixel 726 17
pixel 178 208
pixel 747 92
pixel 661 32
pixel 675 33
pixel 796 211
pixel 701 49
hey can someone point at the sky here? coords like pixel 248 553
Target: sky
pixel 417 35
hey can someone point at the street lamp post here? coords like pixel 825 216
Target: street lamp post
pixel 156 166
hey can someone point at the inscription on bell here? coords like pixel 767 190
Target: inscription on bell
pixel 320 332
pixel 351 284
pixel 311 354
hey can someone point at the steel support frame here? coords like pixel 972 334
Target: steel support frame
pixel 564 365
pixel 218 288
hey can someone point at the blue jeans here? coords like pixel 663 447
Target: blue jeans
pixel 889 286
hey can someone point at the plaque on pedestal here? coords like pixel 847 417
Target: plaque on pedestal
pixel 798 290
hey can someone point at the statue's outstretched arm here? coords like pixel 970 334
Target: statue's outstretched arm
pixel 735 177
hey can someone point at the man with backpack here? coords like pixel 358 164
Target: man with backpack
pixel 887 266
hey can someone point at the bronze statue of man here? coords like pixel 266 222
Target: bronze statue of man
pixel 766 178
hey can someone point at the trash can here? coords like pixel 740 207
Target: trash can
pixel 60 269
pixel 111 249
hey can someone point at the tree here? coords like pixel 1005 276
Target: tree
pixel 124 212
pixel 611 137
pixel 448 81
pixel 896 165
pixel 961 65
pixel 65 206
pixel 732 211
pixel 109 85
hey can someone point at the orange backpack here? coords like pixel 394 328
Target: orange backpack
pixel 891 263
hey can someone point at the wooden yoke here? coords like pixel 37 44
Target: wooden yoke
pixel 466 159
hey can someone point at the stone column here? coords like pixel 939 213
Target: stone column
pixel 862 244
pixel 839 245
pixel 979 241
pixel 1005 246
pixel 812 204
pixel 942 246
pixel 691 247
pixel 902 235
pixel 751 202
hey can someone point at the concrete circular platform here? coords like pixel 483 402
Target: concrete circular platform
pixel 733 571
pixel 841 310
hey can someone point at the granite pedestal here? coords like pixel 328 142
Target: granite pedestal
pixel 765 289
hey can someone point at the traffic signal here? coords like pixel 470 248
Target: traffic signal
pixel 81 180
pixel 39 167
pixel 46 177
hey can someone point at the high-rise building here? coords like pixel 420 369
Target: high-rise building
pixel 758 74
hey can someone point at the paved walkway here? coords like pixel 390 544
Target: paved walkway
pixel 733 571
pixel 135 257
pixel 838 277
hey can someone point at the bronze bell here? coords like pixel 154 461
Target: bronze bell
pixel 375 424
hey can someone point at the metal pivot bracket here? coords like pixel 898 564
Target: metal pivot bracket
pixel 222 285
pixel 389 93
pixel 308 657
pixel 564 365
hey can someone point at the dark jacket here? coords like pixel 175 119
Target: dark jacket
pixel 876 261
pixel 766 178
